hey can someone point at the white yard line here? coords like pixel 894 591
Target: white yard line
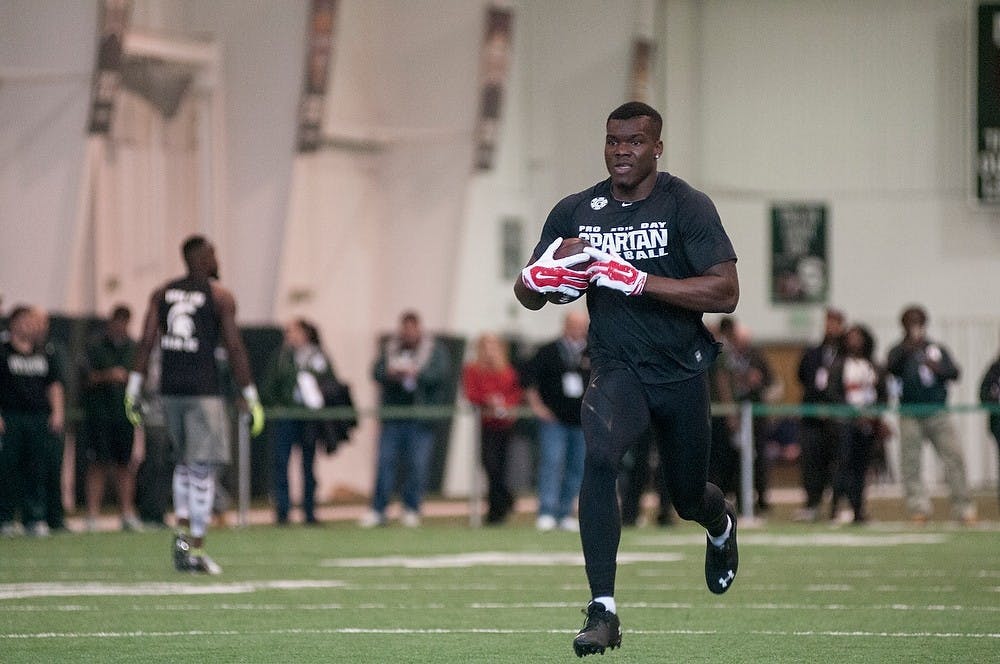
pixel 485 630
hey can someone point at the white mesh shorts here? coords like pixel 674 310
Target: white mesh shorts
pixel 199 428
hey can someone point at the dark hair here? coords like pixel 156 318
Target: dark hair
pixel 311 331
pixel 867 339
pixel 121 312
pixel 916 312
pixel 410 317
pixel 727 325
pixel 17 312
pixel 637 109
pixel 191 247
pixel 835 314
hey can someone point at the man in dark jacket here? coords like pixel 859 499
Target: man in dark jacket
pixel 818 435
pixel 923 369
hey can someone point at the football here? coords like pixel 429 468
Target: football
pixel 569 247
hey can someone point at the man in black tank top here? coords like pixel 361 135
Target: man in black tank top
pixel 661 259
pixel 188 318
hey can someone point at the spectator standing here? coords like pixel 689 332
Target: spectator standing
pixel 32 416
pixel 295 375
pixel 819 434
pixel 753 381
pixel 724 457
pixel 855 380
pixel 924 368
pixel 412 370
pixel 989 394
pixel 556 378
pixel 492 384
pixel 107 436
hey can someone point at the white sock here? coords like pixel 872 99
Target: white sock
pixel 201 496
pixel 608 602
pixel 721 539
pixel 182 490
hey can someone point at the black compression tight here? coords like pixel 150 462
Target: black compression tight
pixel 617 409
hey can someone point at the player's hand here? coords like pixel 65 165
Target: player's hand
pixel 133 398
pixel 555 275
pixel 256 410
pixel 612 271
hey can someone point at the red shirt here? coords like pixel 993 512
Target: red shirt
pixel 495 392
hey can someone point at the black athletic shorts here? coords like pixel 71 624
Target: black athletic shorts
pixel 107 441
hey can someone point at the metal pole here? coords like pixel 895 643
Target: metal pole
pixel 243 437
pixel 475 490
pixel 746 460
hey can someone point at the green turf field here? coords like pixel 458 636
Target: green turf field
pixel 446 593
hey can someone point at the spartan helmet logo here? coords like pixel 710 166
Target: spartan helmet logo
pixel 179 320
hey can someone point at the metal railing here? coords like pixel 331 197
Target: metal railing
pixel 746 411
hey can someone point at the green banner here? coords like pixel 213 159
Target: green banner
pixel 799 266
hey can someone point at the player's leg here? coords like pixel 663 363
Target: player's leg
pixel 941 432
pixel 614 415
pixel 308 446
pixel 390 443
pixel 911 442
pixel 573 462
pixel 284 436
pixel 13 471
pixel 420 442
pixel 122 443
pixel 207 434
pixel 682 424
pixel 552 443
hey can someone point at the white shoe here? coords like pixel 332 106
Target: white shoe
pixel 11 529
pixel 806 515
pixel 39 529
pixel 91 525
pixel 132 523
pixel 569 524
pixel 411 519
pixel 545 523
pixel 372 519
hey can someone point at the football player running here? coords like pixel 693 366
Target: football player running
pixel 661 260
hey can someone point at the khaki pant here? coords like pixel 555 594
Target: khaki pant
pixel 938 430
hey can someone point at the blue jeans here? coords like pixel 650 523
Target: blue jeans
pixel 413 442
pixel 560 468
pixel 286 434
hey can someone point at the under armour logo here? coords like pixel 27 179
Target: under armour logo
pixel 724 581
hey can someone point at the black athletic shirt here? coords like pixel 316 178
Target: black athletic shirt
pixel 189 334
pixel 674 232
pixel 25 378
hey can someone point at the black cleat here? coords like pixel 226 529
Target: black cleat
pixel 601 630
pixel 182 549
pixel 721 562
pixel 202 564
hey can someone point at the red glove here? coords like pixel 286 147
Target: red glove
pixel 553 275
pixel 612 271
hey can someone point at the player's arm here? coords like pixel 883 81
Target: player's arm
pixel 528 298
pixel 546 274
pixel 150 333
pixel 56 395
pixel 717 290
pixel 225 304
